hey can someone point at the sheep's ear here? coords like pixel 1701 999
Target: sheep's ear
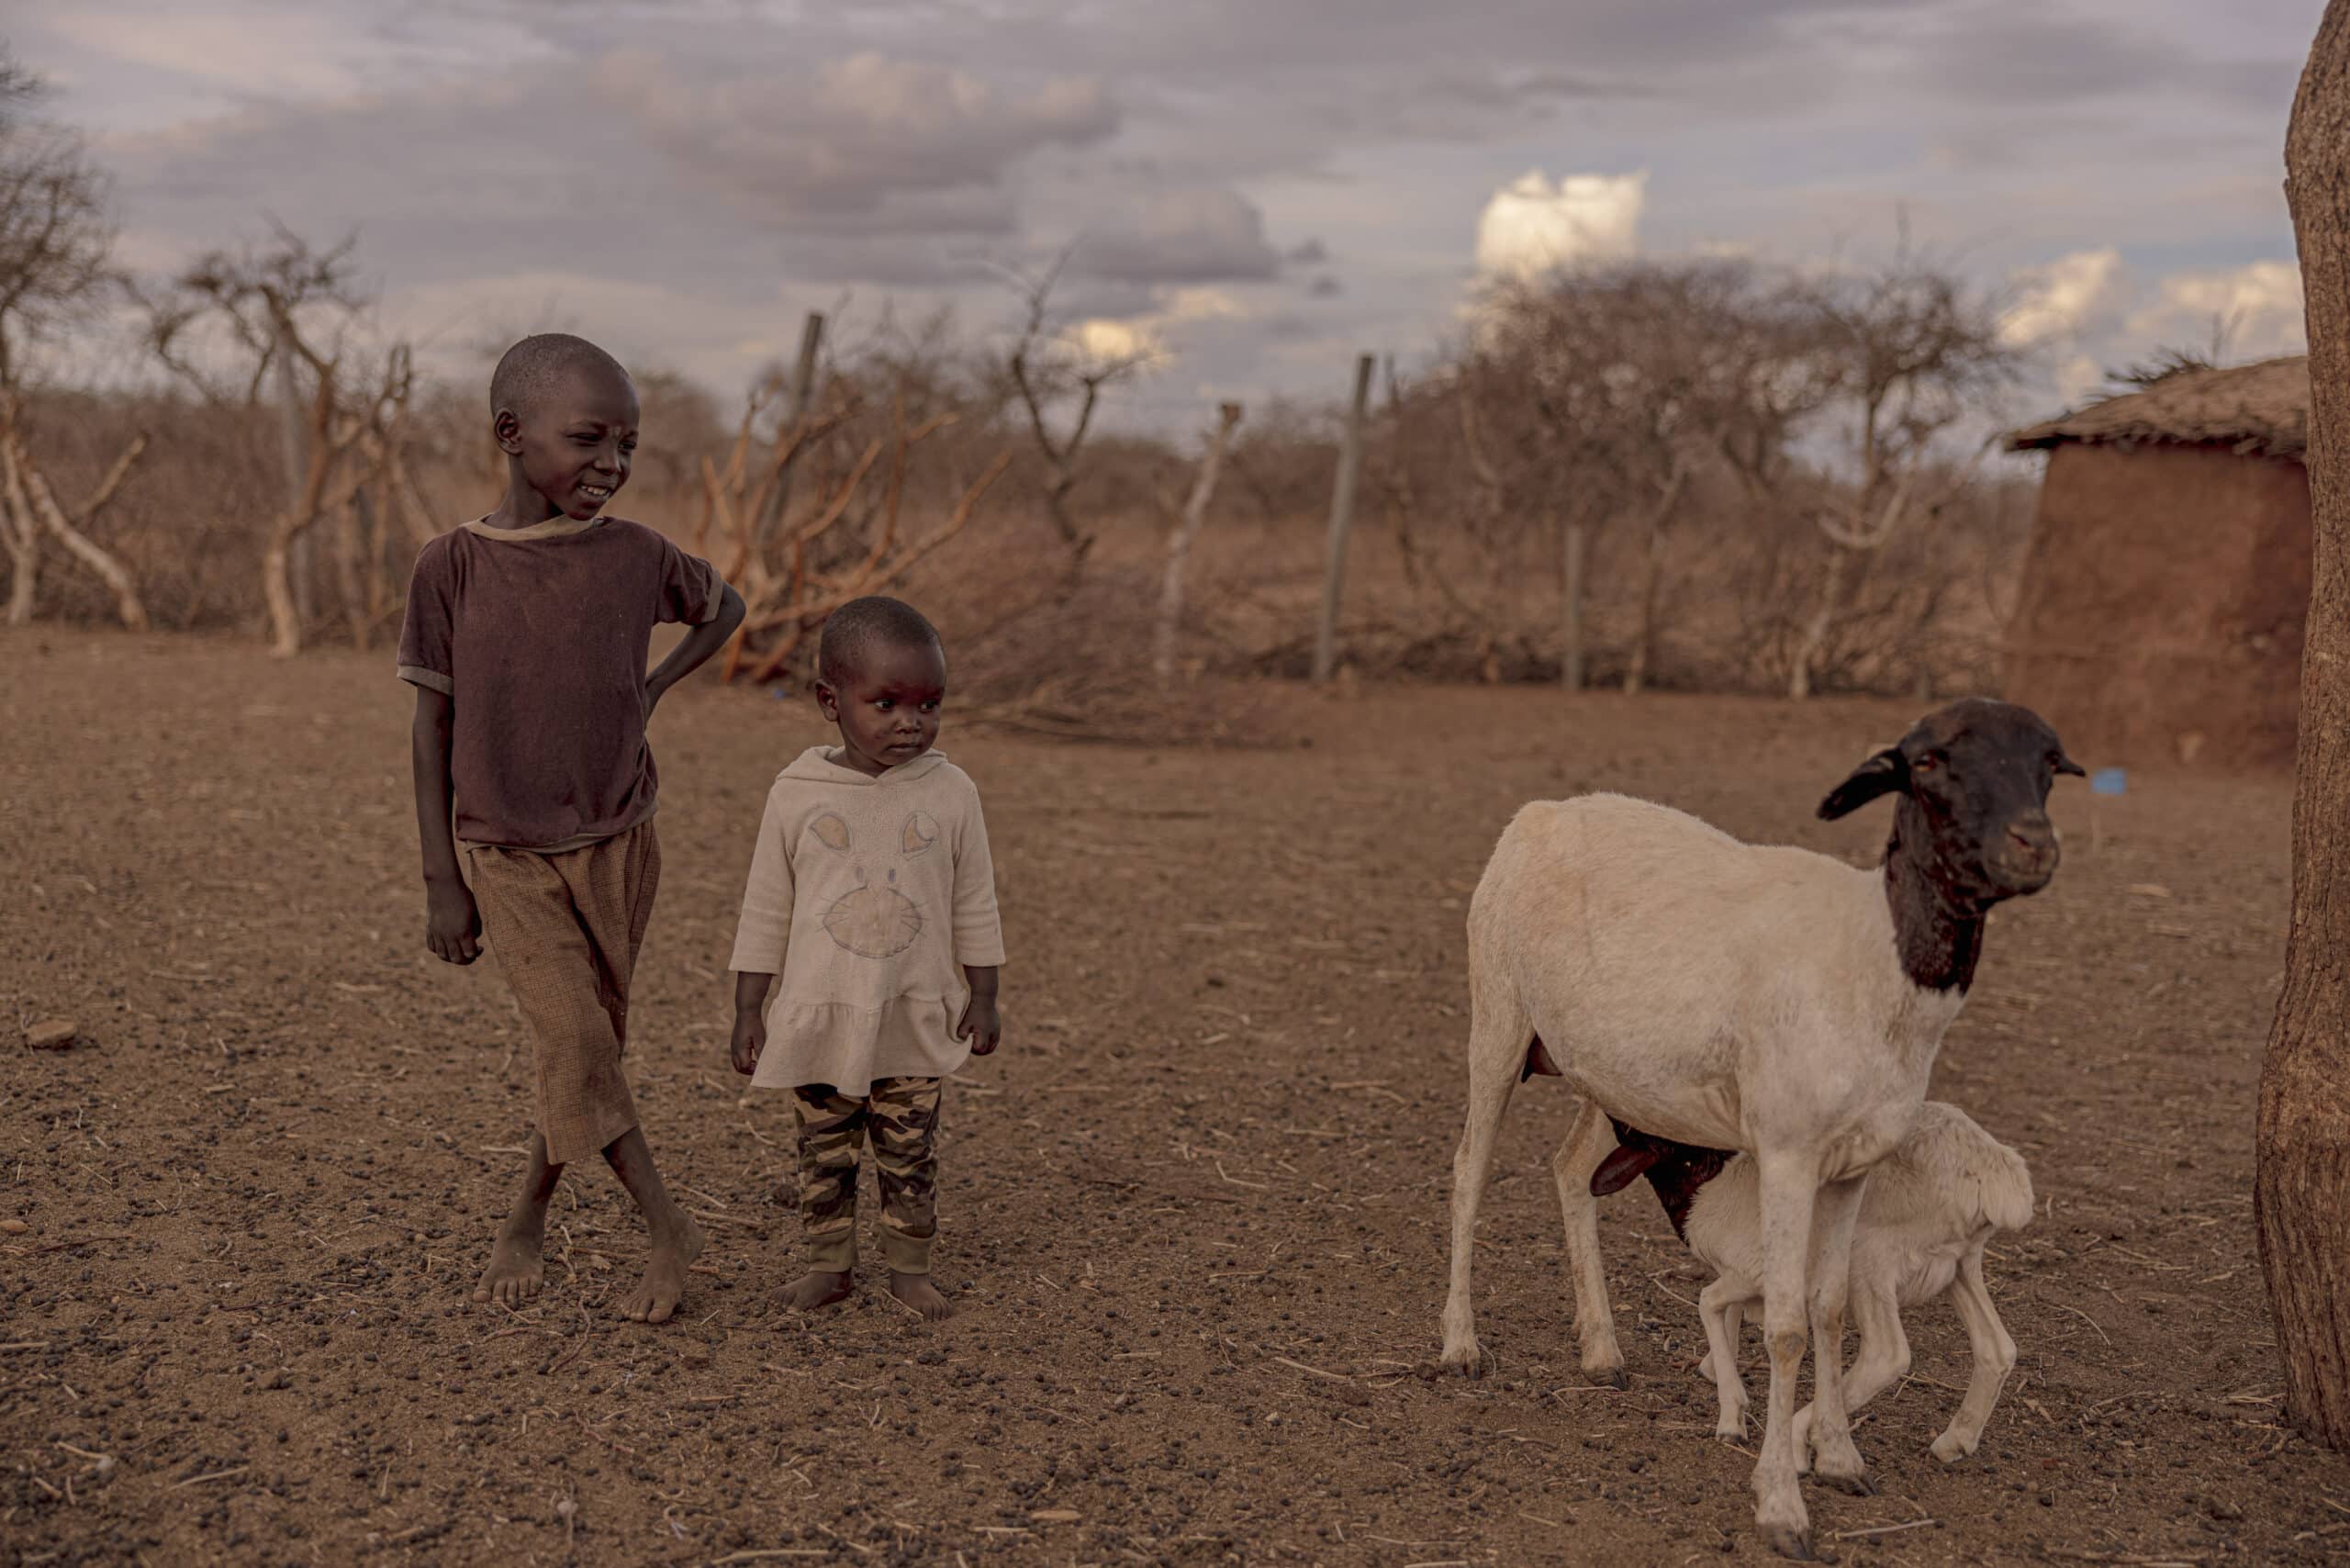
pixel 1623 1168
pixel 1887 771
pixel 2067 765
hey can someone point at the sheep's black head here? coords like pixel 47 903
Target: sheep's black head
pixel 1974 780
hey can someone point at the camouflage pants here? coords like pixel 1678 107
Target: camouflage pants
pixel 901 1116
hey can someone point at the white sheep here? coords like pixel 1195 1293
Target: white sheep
pixel 1766 1000
pixel 1928 1211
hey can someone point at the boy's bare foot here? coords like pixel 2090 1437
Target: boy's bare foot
pixel 815 1289
pixel 917 1292
pixel 656 1298
pixel 515 1272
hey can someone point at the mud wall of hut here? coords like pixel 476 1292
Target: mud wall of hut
pixel 2160 615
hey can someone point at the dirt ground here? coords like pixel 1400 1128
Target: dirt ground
pixel 1194 1211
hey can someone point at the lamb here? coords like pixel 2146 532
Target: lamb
pixel 1763 1000
pixel 1928 1210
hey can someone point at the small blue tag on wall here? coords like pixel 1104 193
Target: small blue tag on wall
pixel 2109 781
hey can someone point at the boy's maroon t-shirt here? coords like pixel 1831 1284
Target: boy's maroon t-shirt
pixel 538 637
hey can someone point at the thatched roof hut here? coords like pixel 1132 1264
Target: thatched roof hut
pixel 2160 616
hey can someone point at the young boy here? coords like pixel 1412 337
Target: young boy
pixel 526 640
pixel 872 895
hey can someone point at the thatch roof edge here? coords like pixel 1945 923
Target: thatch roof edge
pixel 2255 409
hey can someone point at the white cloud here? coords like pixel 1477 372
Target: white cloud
pixel 2086 314
pixel 2076 378
pixel 1155 335
pixel 1532 225
pixel 2060 299
pixel 2256 310
pixel 1103 339
pixel 1202 304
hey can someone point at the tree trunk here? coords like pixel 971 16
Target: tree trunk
pixel 1821 621
pixel 1574 548
pixel 373 508
pixel 1635 671
pixel 277 592
pixel 346 565
pixel 293 442
pixel 24 545
pixel 24 553
pixel 2302 1185
pixel 1342 523
pixel 1178 545
pixel 1064 479
pixel 30 480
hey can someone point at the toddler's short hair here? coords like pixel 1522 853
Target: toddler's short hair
pixel 862 622
pixel 526 371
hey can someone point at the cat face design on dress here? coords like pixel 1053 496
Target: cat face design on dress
pixel 875 919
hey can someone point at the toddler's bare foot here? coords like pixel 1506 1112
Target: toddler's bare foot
pixel 515 1272
pixel 815 1289
pixel 656 1298
pixel 917 1292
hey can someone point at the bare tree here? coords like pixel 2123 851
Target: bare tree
pixel 2301 1178
pixel 1508 481
pixel 1050 366
pixel 1634 375
pixel 55 239
pixel 55 267
pixel 30 501
pixel 854 442
pixel 1907 352
pixel 290 307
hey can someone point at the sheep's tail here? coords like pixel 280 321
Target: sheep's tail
pixel 1979 1180
pixel 2002 1192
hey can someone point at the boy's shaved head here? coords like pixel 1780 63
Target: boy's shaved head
pixel 529 369
pixel 863 623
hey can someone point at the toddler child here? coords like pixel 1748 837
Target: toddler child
pixel 871 894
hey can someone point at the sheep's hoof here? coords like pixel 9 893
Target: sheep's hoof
pixel 1732 1429
pixel 1610 1377
pixel 1949 1450
pixel 1857 1485
pixel 1468 1361
pixel 1789 1541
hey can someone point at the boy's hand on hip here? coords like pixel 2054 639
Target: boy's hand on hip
pixel 981 1025
pixel 749 1043
pixel 452 923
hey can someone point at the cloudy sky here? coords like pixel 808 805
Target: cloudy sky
pixel 1261 188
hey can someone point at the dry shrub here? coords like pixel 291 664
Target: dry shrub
pixel 1031 653
pixel 191 521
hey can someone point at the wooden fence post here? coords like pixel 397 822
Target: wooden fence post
pixel 803 391
pixel 1342 514
pixel 293 454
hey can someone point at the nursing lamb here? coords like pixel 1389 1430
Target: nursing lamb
pixel 1928 1211
pixel 1766 1000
